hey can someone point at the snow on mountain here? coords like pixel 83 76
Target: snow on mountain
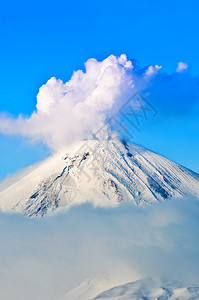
pixel 151 290
pixel 147 288
pixel 91 287
pixel 103 172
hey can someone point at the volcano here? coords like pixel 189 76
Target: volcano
pixel 102 172
pixel 146 288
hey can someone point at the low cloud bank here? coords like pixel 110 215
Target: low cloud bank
pixel 41 259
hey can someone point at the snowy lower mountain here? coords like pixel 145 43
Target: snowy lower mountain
pixel 143 289
pixel 104 173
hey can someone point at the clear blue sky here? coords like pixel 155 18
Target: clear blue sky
pixel 41 39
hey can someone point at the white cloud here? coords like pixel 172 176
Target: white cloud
pixel 41 259
pixel 153 70
pixel 75 110
pixel 182 67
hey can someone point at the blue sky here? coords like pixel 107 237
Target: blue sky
pixel 46 38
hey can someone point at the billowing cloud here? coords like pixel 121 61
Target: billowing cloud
pixel 75 110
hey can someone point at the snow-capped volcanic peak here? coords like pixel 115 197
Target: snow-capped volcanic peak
pixel 104 173
pixel 150 289
pixel 146 288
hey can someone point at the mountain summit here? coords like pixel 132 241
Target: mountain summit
pixel 105 173
pixel 142 289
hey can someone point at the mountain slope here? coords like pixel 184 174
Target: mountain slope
pixel 104 173
pixel 151 290
pixel 147 288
